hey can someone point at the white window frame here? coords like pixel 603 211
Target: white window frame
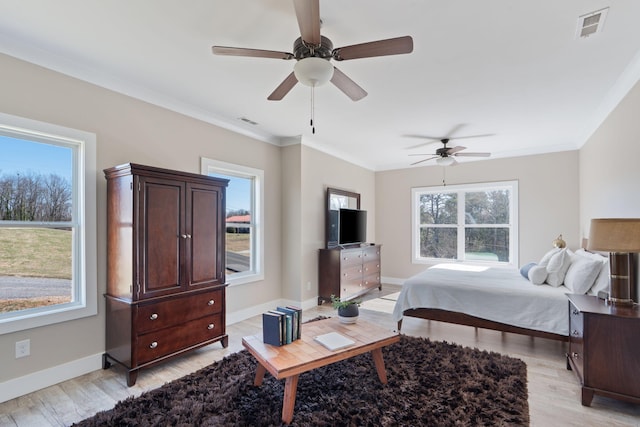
pixel 84 285
pixel 256 270
pixel 461 189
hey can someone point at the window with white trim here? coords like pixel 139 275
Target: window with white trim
pixel 245 211
pixel 47 224
pixel 473 222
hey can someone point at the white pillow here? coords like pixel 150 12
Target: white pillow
pixel 602 280
pixel 558 266
pixel 547 257
pixel 537 274
pixel 582 273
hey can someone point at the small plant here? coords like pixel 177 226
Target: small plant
pixel 337 303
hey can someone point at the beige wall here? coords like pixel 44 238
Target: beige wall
pixel 320 171
pixel 548 190
pixel 609 171
pixel 610 165
pixel 129 130
pixel 291 222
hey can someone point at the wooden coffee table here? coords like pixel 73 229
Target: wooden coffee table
pixel 305 354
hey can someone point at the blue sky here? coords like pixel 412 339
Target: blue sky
pixel 238 193
pixel 22 156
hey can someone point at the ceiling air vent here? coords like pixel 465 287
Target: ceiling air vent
pixel 251 122
pixel 591 23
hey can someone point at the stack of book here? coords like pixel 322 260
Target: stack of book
pixel 282 325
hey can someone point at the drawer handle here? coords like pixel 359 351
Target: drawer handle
pixel 153 344
pixel 211 302
pixel 154 316
pixel 211 326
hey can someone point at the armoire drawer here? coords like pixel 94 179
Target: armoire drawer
pixel 154 345
pixel 174 311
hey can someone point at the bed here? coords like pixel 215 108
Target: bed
pixel 494 298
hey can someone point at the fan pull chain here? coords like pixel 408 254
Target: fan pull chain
pixel 444 174
pixel 313 91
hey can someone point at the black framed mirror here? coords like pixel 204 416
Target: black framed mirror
pixel 337 199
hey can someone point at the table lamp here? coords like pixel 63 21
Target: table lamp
pixel 620 237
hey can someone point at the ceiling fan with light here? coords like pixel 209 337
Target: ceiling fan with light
pixel 445 156
pixel 313 53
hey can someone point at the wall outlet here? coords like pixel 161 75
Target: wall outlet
pixel 23 348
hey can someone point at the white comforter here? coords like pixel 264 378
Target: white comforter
pixel 497 294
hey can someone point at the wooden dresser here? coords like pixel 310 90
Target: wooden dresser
pixel 165 265
pixel 348 272
pixel 604 348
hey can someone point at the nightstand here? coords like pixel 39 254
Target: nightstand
pixel 604 348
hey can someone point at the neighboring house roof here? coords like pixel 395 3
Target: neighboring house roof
pixel 239 218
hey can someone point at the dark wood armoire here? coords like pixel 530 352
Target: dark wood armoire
pixel 165 265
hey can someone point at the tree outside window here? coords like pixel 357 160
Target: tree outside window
pixel 465 223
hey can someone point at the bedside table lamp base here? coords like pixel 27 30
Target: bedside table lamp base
pixel 621 266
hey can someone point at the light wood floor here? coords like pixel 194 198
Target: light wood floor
pixel 554 392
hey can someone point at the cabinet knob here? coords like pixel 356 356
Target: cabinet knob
pixel 154 316
pixel 211 326
pixel 575 355
pixel 211 302
pixel 184 236
pixel 153 344
pixel 575 312
pixel 575 333
pixel 188 236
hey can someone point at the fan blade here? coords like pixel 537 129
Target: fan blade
pixel 254 53
pixel 395 46
pixel 434 139
pixel 348 86
pixel 308 15
pixel 284 88
pixel 454 150
pixel 424 160
pixel 430 154
pixel 473 154
pixel 470 136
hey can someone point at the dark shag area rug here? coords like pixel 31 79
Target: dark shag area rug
pixel 429 384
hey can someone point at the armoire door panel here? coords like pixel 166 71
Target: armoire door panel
pixel 204 225
pixel 163 236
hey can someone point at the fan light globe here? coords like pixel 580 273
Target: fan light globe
pixel 445 161
pixel 313 71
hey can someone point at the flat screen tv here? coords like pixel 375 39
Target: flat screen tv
pixel 352 226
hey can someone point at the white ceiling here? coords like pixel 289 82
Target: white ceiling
pixel 511 69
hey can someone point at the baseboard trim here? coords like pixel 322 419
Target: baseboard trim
pixel 393 280
pixel 35 381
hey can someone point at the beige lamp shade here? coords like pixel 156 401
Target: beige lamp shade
pixel 615 235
